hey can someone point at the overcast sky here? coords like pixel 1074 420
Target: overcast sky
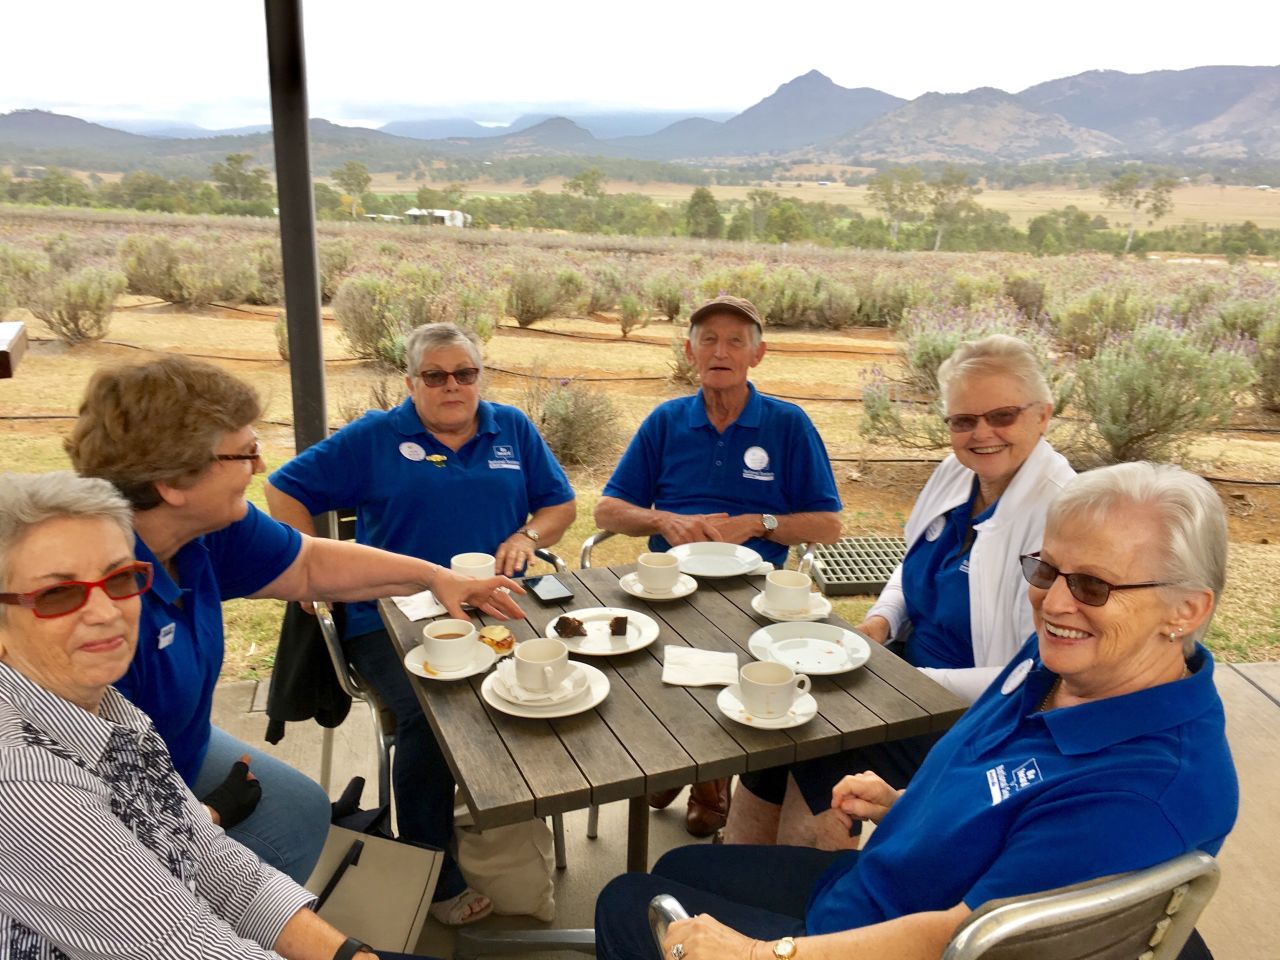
pixel 375 60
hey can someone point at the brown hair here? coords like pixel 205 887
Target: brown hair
pixel 157 421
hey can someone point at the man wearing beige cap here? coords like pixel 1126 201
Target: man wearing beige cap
pixel 727 464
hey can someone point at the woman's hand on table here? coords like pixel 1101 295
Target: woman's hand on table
pixel 862 796
pixel 705 938
pixel 453 591
pixel 514 554
pixel 877 628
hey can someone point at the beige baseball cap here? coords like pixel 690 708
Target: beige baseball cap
pixel 727 304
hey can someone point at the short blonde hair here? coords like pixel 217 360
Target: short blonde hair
pixel 996 355
pixel 157 422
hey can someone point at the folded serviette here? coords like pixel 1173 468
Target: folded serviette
pixel 511 690
pixel 419 606
pixel 687 667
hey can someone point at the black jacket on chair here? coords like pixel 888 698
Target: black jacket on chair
pixel 303 684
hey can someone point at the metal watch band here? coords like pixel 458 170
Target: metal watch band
pixel 532 534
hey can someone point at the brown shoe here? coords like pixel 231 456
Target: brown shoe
pixel 708 807
pixel 662 799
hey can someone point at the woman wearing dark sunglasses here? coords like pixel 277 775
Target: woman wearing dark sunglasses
pixel 104 851
pixel 1099 749
pixel 176 437
pixel 956 604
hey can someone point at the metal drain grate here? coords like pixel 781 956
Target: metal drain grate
pixel 857 564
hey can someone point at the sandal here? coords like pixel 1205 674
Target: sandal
pixel 453 912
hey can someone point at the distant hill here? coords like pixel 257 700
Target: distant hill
pixel 40 129
pixel 438 129
pixel 558 136
pixel 981 126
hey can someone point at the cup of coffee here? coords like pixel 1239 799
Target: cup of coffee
pixel 542 664
pixel 474 566
pixel 769 689
pixel 449 644
pixel 657 572
pixel 787 591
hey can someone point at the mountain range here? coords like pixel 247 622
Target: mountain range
pixel 1218 112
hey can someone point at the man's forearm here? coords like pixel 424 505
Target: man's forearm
pixel 796 528
pixel 619 516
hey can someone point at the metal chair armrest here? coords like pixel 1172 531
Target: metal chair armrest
pixel 589 544
pixel 805 556
pixel 557 561
pixel 664 910
pixel 333 644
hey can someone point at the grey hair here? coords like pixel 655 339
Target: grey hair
pixel 1193 551
pixel 756 333
pixel 996 355
pixel 29 499
pixel 432 336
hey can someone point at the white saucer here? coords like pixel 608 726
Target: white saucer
pixel 819 608
pixel 578 684
pixel 597 689
pixel 482 658
pixel 685 585
pixel 711 559
pixel 802 711
pixel 642 630
pixel 818 649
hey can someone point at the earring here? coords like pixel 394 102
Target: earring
pixel 1173 634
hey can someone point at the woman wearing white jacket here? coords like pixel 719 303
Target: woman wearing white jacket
pixel 957 602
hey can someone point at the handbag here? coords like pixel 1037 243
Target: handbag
pixel 511 865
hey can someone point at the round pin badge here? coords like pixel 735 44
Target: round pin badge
pixel 1016 676
pixel 412 451
pixel 756 458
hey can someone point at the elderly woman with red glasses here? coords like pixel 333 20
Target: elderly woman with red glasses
pixel 956 604
pixel 104 851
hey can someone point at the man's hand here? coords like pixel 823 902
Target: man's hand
pixel 485 595
pixel 678 528
pixel 739 528
pixel 514 554
pixel 231 801
pixel 862 796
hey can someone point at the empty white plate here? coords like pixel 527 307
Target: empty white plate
pixel 712 559
pixel 685 585
pixel 802 711
pixel 597 689
pixel 482 658
pixel 819 608
pixel 642 630
pixel 818 649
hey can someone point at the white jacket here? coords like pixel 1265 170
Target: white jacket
pixel 999 613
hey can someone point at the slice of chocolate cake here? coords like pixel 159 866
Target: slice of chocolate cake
pixel 569 627
pixel 618 627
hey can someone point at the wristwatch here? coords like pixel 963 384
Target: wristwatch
pixel 770 523
pixel 350 948
pixel 785 949
pixel 532 534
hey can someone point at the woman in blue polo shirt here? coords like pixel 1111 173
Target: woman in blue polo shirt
pixel 1101 748
pixel 441 474
pixel 957 599
pixel 176 437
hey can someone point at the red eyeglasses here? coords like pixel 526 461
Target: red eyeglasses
pixel 60 599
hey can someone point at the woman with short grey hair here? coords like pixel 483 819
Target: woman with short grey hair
pixel 435 336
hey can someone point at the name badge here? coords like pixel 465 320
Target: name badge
pixel 412 451
pixel 1016 676
pixel 166 635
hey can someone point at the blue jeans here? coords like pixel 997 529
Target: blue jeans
pixel 288 827
pixel 761 892
pixel 421 782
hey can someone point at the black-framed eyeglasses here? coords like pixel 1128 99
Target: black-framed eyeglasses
pixel 255 455
pixel 438 378
pixel 60 599
pixel 999 417
pixel 1088 589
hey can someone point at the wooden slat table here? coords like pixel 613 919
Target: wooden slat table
pixel 646 735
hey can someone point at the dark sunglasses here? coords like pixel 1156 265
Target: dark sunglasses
pixel 999 417
pixel 1089 590
pixel 255 455
pixel 438 378
pixel 60 599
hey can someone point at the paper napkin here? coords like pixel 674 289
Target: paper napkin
pixel 687 667
pixel 419 606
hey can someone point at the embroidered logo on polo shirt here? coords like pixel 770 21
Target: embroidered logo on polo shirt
pixel 1005 783
pixel 166 636
pixel 757 462
pixel 504 457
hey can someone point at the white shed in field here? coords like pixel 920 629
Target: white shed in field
pixel 446 218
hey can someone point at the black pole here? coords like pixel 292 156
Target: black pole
pixel 288 71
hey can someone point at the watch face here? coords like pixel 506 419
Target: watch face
pixel 784 948
pixel 769 520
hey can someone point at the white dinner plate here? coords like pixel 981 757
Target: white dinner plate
pixel 818 649
pixel 642 630
pixel 819 609
pixel 482 658
pixel 597 689
pixel 712 559
pixel 802 711
pixel 685 585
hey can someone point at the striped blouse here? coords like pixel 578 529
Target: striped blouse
pixel 105 853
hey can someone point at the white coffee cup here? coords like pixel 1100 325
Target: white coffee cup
pixel 474 566
pixel 542 664
pixel 658 572
pixel 787 591
pixel 769 689
pixel 449 644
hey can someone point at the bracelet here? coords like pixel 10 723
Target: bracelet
pixel 350 948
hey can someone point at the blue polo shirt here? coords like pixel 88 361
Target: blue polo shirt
pixel 935 581
pixel 180 638
pixel 408 502
pixel 1012 801
pixel 769 460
